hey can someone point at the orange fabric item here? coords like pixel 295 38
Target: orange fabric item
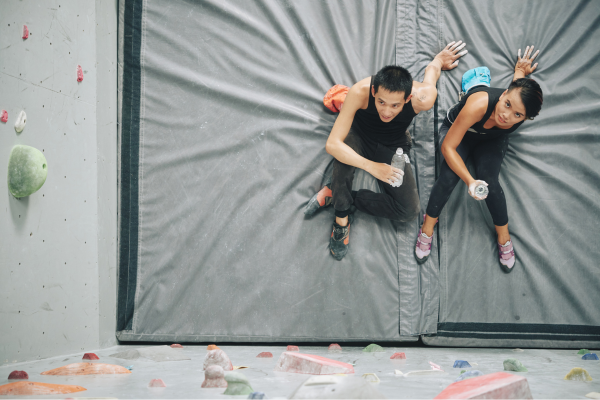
pixel 87 369
pixel 334 98
pixel 37 388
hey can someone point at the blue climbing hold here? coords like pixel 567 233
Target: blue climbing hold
pixel 129 367
pixel 468 374
pixel 461 364
pixel 590 356
pixel 257 395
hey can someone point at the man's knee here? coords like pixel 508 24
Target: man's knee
pixel 408 212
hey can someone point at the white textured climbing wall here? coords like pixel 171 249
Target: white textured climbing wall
pixel 58 246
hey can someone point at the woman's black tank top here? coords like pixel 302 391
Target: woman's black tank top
pixel 391 134
pixel 493 98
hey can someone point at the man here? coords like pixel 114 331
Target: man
pixel 371 126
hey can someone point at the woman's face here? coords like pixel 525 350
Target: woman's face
pixel 510 109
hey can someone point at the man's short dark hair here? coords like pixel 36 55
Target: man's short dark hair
pixel 394 79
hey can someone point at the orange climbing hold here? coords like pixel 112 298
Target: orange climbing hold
pixel 334 98
pixel 176 346
pixel 25 388
pixel 212 347
pixel 88 369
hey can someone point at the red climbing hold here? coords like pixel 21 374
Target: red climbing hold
pixel 25 32
pixel 18 375
pixel 157 383
pixel 309 364
pixel 292 348
pixel 499 385
pixel 398 356
pixel 334 347
pixel 176 346
pixel 90 356
pixel 4 117
pixel 79 73
pixel 265 354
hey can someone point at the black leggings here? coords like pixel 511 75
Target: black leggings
pixel 487 151
pixel 395 203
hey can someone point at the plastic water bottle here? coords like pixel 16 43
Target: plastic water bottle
pixel 398 162
pixel 481 190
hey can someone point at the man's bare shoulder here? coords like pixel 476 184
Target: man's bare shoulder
pixel 359 93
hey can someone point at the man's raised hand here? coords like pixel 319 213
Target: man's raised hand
pixel 450 55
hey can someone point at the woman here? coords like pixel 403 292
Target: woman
pixel 479 126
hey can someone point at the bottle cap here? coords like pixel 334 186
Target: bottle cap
pixel 399 151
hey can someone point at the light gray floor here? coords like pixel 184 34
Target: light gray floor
pixel 547 369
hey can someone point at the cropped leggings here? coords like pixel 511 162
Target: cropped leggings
pixel 487 152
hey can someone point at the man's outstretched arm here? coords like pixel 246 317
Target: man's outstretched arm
pixel 424 94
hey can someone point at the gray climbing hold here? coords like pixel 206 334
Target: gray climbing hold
pixel 590 356
pixel 468 374
pixel 373 348
pixel 512 364
pixel 27 170
pixel 21 121
pixel 461 364
pixel 237 384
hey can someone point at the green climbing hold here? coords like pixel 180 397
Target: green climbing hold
pixel 583 351
pixel 373 348
pixel 237 384
pixel 462 371
pixel 27 170
pixel 512 364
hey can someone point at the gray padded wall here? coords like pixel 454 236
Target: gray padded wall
pixel 223 144
pixel 551 181
pixel 232 134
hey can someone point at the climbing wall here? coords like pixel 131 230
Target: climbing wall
pixel 222 144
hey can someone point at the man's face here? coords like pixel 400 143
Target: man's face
pixel 389 104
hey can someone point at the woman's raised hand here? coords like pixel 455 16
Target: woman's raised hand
pixel 524 63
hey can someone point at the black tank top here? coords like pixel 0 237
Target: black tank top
pixel 391 134
pixel 493 98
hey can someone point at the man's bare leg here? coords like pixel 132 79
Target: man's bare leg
pixel 341 221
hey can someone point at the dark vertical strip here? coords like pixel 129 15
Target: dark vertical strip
pixel 130 144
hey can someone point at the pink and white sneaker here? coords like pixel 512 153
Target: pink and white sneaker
pixel 423 247
pixel 506 253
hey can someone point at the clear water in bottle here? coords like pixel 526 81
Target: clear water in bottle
pixel 398 161
pixel 481 190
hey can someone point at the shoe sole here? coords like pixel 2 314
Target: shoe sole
pixel 506 269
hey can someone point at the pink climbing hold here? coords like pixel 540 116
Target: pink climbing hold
pixel 309 364
pixel 499 385
pixel 90 356
pixel 79 73
pixel 293 348
pixel 4 117
pixel 218 357
pixel 265 354
pixel 176 346
pixel 214 377
pixel 25 32
pixel 398 356
pixel 334 347
pixel 157 383
pixel 18 375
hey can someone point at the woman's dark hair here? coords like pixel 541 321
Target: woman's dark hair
pixel 394 79
pixel 531 95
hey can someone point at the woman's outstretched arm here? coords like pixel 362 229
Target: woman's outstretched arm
pixel 523 66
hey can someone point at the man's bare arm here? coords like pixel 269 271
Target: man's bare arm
pixel 424 94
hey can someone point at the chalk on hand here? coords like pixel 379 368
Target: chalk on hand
pixel 25 32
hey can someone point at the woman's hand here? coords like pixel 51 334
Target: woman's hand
pixel 472 187
pixel 385 172
pixel 524 67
